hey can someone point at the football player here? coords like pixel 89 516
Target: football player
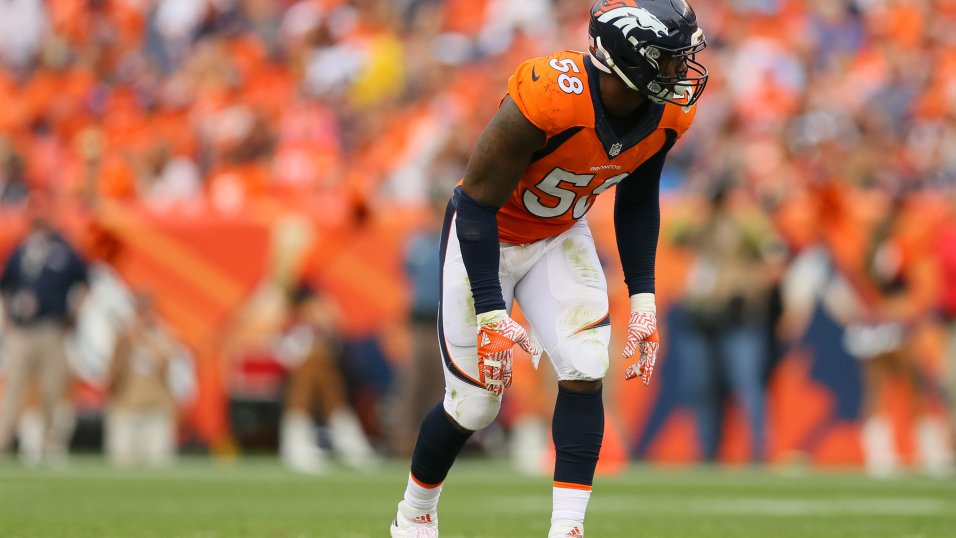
pixel 571 126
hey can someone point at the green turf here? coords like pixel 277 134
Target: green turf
pixel 482 499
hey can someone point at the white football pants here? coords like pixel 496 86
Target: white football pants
pixel 559 284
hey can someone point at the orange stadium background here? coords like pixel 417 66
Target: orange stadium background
pixel 202 266
pixel 203 258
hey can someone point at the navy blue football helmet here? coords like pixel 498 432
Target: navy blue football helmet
pixel 634 39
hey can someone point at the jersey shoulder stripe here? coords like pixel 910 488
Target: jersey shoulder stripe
pixel 555 142
pixel 553 92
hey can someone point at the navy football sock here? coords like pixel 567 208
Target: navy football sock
pixel 577 430
pixel 439 443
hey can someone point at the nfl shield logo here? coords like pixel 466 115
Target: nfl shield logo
pixel 615 149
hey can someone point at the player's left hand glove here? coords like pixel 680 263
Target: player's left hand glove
pixel 497 335
pixel 642 337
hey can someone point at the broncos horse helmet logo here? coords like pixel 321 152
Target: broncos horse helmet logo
pixel 628 18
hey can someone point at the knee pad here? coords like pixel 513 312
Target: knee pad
pixel 585 355
pixel 473 408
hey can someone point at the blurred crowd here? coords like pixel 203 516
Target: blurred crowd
pixel 175 101
pixel 823 152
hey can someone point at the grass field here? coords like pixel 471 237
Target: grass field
pixel 259 499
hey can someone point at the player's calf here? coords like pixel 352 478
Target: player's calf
pixel 577 429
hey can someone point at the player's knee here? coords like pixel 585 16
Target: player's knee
pixel 591 368
pixel 472 409
pixel 587 355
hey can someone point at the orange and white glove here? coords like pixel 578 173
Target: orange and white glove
pixel 642 337
pixel 497 335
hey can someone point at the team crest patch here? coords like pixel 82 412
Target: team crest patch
pixel 615 149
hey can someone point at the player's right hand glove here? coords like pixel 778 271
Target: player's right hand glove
pixel 497 335
pixel 642 338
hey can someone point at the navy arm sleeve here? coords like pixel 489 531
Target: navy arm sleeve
pixel 477 226
pixel 637 223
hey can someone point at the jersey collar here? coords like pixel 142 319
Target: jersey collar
pixel 614 145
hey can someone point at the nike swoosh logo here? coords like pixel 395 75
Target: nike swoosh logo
pixel 534 77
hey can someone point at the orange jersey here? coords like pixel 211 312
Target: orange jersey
pixel 583 156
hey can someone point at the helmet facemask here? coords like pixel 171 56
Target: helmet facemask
pixel 688 80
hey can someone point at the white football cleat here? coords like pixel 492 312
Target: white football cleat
pixel 566 529
pixel 879 448
pixel 411 523
pixel 298 448
pixel 528 447
pixel 350 443
pixel 932 448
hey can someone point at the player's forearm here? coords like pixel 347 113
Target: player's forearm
pixel 637 245
pixel 477 228
pixel 637 224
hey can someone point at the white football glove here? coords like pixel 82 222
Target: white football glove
pixel 497 335
pixel 642 337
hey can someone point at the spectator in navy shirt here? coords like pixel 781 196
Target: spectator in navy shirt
pixel 41 287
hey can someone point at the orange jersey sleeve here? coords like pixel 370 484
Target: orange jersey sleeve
pixel 551 92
